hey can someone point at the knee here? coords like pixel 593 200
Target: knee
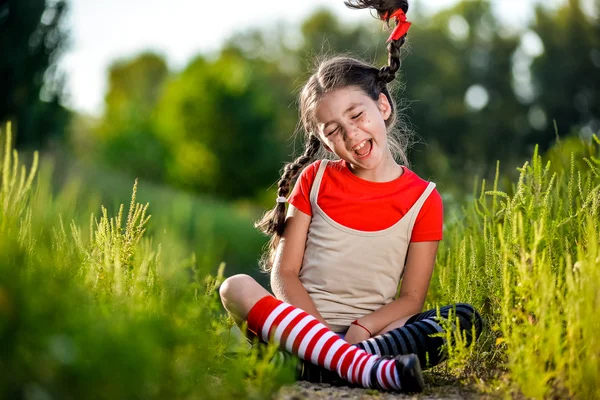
pixel 239 294
pixel 469 317
pixel 233 287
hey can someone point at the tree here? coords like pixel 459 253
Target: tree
pixel 127 136
pixel 455 55
pixel 223 124
pixel 324 35
pixel 32 37
pixel 219 119
pixel 567 74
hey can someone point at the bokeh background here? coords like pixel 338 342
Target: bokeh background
pixel 198 100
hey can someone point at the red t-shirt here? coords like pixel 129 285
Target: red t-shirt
pixel 370 206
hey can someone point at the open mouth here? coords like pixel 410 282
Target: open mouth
pixel 364 149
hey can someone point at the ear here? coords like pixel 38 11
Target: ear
pixel 384 106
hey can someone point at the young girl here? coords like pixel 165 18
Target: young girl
pixel 354 227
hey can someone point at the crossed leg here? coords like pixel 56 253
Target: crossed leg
pixel 300 333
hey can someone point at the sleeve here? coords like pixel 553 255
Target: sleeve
pixel 300 197
pixel 430 221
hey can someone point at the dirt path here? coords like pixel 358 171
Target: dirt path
pixel 446 391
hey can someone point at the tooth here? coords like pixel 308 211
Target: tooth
pixel 360 146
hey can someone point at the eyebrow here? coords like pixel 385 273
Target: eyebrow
pixel 352 107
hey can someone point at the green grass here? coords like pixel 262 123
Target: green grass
pixel 216 231
pixel 108 303
pixel 102 310
pixel 528 258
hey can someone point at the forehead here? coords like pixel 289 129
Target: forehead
pixel 334 103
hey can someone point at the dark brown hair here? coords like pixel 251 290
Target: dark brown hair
pixel 332 74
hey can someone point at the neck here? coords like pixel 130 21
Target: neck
pixel 387 170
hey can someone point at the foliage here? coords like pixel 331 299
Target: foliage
pixel 32 37
pixel 109 313
pixel 131 317
pixel 223 125
pixel 571 62
pixel 128 137
pixel 528 257
pixel 220 125
pixel 442 68
pixel 215 230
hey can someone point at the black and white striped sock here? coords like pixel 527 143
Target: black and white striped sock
pixel 415 335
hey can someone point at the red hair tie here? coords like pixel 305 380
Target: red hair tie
pixel 402 24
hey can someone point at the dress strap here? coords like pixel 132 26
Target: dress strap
pixel 314 191
pixel 414 210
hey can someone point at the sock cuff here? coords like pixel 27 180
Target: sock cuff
pixel 260 311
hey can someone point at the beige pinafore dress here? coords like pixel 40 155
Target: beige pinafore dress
pixel 350 273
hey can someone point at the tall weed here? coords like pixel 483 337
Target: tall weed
pixel 528 257
pixel 106 312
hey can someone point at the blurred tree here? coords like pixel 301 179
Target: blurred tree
pixel 127 135
pixel 271 49
pixel 567 74
pixel 459 74
pixel 32 37
pixel 223 124
pixel 324 35
pixel 219 119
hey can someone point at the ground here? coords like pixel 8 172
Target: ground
pixel 434 390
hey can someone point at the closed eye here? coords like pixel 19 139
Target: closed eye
pixel 357 115
pixel 333 131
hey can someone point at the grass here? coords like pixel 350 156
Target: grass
pixel 528 257
pixel 106 302
pixel 104 311
pixel 214 230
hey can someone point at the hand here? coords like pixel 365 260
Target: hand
pixel 356 334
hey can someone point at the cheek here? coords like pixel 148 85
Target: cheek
pixel 367 124
pixel 335 141
pixel 330 142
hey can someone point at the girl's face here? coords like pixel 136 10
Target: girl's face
pixel 352 125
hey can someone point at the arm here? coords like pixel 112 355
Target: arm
pixel 417 275
pixel 288 260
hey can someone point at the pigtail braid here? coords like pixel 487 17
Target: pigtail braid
pixel 273 222
pixel 387 74
pixel 385 8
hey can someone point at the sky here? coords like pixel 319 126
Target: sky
pixel 107 30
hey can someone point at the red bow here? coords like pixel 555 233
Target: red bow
pixel 402 24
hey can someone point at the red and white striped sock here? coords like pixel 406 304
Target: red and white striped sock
pixel 302 334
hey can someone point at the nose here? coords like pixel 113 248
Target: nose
pixel 350 131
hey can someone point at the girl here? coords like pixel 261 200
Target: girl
pixel 354 227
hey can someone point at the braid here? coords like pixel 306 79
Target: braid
pixel 385 8
pixel 273 222
pixel 387 74
pixel 288 178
